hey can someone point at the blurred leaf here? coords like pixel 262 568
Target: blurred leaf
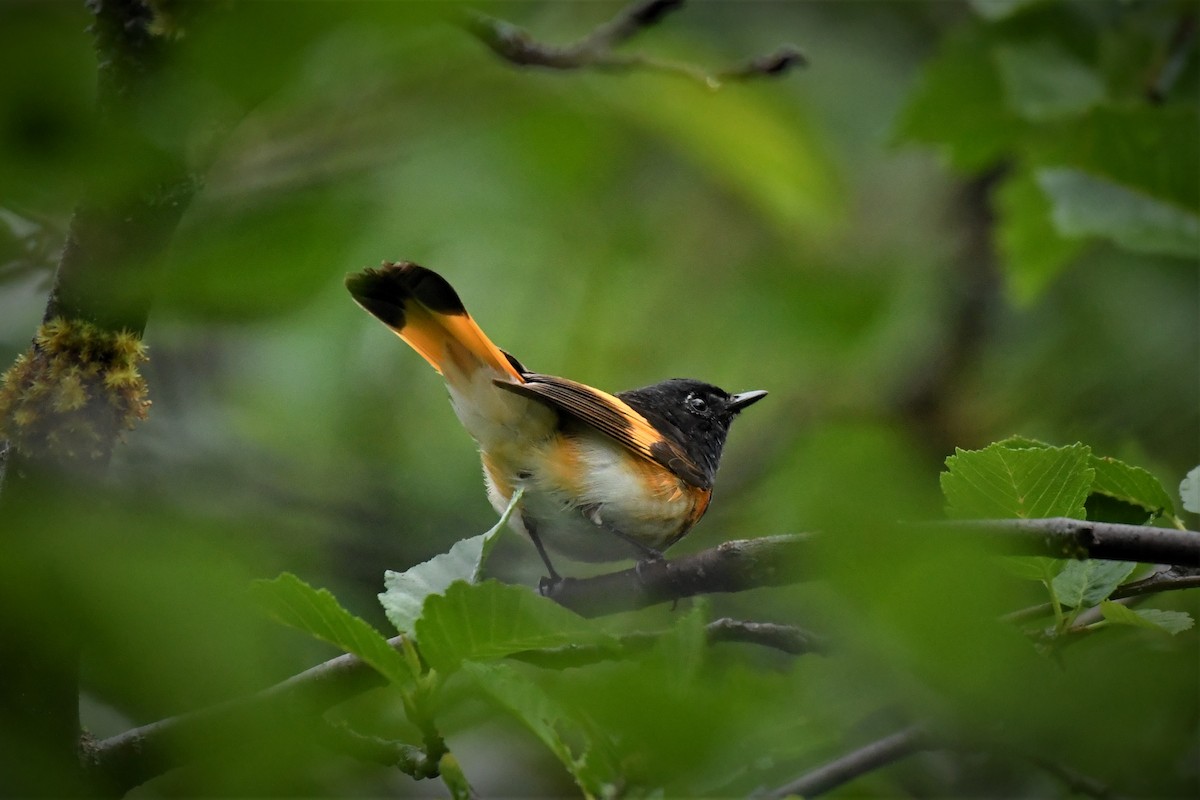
pixel 1189 490
pixel 1043 81
pixel 492 620
pixel 1082 584
pixel 405 592
pixel 998 9
pixel 739 136
pixel 681 649
pixel 262 253
pixel 1155 151
pixel 1129 484
pixel 1085 205
pixel 1034 252
pixel 1002 482
pixel 959 106
pixel 317 612
pixel 578 745
pixel 1171 622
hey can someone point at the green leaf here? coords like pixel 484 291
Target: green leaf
pixel 1003 482
pixel 1043 81
pixel 1087 205
pixel 315 611
pixel 1018 442
pixel 1189 490
pixel 1034 252
pixel 1032 568
pixel 682 648
pixel 958 104
pixel 579 746
pixel 491 620
pixel 1152 151
pixel 782 168
pixel 1129 484
pixel 405 592
pixel 1085 583
pixel 1171 622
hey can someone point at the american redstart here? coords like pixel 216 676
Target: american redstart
pixel 605 477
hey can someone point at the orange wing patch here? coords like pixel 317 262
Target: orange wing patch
pixel 613 417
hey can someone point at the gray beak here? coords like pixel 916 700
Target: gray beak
pixel 739 401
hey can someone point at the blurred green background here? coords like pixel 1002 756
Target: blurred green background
pixel 855 237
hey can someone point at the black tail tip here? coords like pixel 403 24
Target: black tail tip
pixel 392 283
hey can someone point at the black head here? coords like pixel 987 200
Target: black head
pixel 693 414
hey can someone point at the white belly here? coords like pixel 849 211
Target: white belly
pixel 576 520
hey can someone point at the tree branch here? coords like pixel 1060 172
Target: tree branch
pixel 1062 537
pixel 729 567
pixel 595 50
pixel 777 560
pixel 129 759
pixel 133 757
pixel 1168 579
pixel 855 764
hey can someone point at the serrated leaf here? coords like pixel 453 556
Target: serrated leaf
pixel 1082 584
pixel 317 612
pixel 1088 205
pixel 1034 253
pixel 1189 490
pixel 1026 483
pixel 1171 622
pixel 1129 484
pixel 579 746
pixel 1018 442
pixel 491 620
pixel 405 592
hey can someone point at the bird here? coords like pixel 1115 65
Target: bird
pixel 602 477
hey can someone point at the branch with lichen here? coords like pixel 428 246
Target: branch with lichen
pixel 74 392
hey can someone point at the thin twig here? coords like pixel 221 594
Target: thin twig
pixel 855 764
pixel 596 49
pixel 1169 579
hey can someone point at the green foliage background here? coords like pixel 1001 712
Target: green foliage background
pixel 962 221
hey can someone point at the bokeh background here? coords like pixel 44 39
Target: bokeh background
pixel 853 237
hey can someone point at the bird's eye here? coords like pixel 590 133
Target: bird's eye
pixel 696 403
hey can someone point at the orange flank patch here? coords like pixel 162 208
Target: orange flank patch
pixel 564 465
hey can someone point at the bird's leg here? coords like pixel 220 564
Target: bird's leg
pixel 546 584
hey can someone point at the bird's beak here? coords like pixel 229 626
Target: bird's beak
pixel 739 401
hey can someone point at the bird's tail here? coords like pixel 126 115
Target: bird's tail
pixel 421 307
